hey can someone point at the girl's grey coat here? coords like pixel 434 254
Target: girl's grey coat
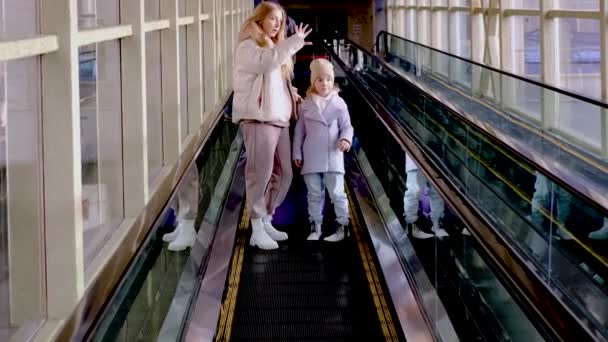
pixel 316 136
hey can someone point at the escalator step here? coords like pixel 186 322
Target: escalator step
pixel 297 315
pixel 308 301
pixel 292 331
pixel 295 290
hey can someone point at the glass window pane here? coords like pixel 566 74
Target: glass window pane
pixel 461 3
pixel 18 19
pixel 578 4
pixel 524 4
pixel 183 66
pixel 525 60
pixel 21 217
pixel 460 34
pixel 154 104
pixel 152 8
pixel 93 13
pixel 22 254
pixel 441 34
pixel 183 8
pixel 410 24
pixel 101 144
pixel 579 46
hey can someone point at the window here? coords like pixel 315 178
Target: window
pixel 154 104
pixel 22 255
pixel 101 144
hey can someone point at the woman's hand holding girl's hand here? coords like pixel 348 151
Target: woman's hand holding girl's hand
pixel 303 32
pixel 298 162
pixel 343 145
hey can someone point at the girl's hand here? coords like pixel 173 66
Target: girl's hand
pixel 303 32
pixel 343 145
pixel 298 162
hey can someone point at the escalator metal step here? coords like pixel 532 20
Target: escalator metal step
pixel 311 291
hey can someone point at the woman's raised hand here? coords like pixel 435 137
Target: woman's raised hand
pixel 303 31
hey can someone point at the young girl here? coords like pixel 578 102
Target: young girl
pixel 263 103
pixel 323 132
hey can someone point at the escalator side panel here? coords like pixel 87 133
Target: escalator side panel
pixel 203 319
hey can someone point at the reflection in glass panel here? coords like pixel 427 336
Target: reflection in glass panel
pixel 460 74
pixel 580 119
pixel 154 104
pixel 97 13
pixel 508 192
pixel 477 304
pixel 101 144
pixel 183 74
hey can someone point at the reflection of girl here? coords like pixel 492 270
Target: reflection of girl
pixel 602 233
pixel 415 183
pixel 264 102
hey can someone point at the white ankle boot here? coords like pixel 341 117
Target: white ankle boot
pixel 274 234
pixel 170 237
pixel 338 235
pixel 438 230
pixel 315 232
pixel 186 236
pixel 259 237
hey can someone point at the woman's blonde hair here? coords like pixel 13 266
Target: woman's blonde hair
pixel 252 28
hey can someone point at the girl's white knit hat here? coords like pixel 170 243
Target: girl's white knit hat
pixel 319 67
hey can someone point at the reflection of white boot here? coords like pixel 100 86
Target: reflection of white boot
pixel 601 234
pixel 562 234
pixel 170 237
pixel 274 234
pixel 186 236
pixel 259 237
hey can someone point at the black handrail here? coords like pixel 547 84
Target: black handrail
pixel 536 166
pixel 580 97
pixel 547 308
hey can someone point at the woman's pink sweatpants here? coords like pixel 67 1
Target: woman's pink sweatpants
pixel 268 171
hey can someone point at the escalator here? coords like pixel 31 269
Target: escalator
pixel 483 282
pixel 542 257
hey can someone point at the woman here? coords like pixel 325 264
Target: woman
pixel 264 102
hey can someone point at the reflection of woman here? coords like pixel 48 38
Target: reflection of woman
pixel 3 102
pixel 185 207
pixel 264 102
